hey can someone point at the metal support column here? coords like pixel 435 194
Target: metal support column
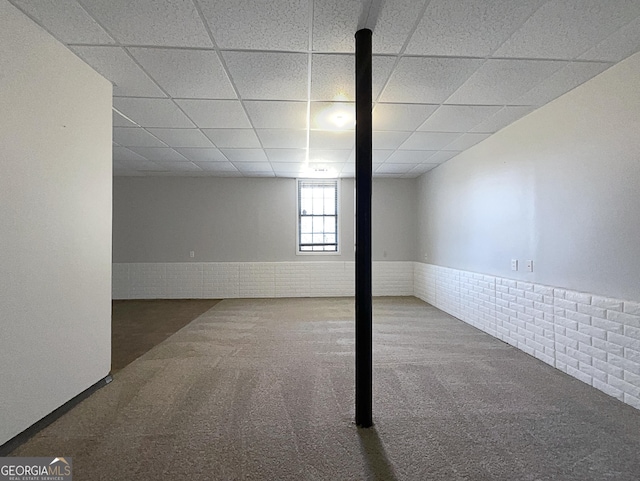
pixel 364 339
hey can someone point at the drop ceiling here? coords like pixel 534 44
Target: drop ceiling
pixel 265 88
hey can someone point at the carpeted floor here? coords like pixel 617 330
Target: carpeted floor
pixel 263 389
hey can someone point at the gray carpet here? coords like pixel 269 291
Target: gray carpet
pixel 263 389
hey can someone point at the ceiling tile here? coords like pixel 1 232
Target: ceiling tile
pixel 400 116
pixel 115 65
pixel 410 156
pixel 561 82
pixel 334 25
pixel 121 154
pixel 566 29
pixel 288 167
pixel 458 118
pixel 186 73
pixel 182 137
pixel 179 166
pixel 333 115
pixel 394 23
pixel 245 155
pixel 286 155
pixel 233 138
pixel 329 156
pixel 378 157
pixel 277 115
pixel 135 137
pixel 259 76
pixel 162 23
pixel 215 114
pixel 217 166
pixel 254 167
pixel 617 46
pixel 331 140
pixel 275 25
pixel 500 82
pixel 283 139
pixel 427 80
pixel 202 155
pixel 161 113
pixel 428 140
pixel 332 76
pixel 468 27
pixel 120 121
pixel 162 154
pixel 502 118
pixel 466 140
pixel 137 165
pixel 389 168
pixel 442 156
pixel 389 139
pixel 422 168
pixel 66 20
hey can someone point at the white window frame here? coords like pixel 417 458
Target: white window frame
pixel 338 226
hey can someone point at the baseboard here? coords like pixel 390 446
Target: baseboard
pixel 34 429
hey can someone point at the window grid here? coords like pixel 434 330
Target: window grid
pixel 317 216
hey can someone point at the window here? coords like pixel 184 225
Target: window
pixel 317 216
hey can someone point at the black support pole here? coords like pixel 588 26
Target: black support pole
pixel 364 339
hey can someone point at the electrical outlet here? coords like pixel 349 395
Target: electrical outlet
pixel 192 254
pixel 514 264
pixel 530 266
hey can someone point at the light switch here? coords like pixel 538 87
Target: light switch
pixel 530 266
pixel 514 264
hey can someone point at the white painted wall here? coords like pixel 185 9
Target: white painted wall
pixel 55 218
pixel 561 187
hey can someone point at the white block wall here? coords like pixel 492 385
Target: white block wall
pixel 590 337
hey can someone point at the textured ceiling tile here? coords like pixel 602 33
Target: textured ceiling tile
pixel 122 154
pixel 277 115
pixel 179 166
pixel 500 82
pixel 332 115
pixel 182 137
pixel 327 155
pixel 422 168
pixel 261 76
pixel 389 168
pixel 163 23
pixel 332 76
pixel 331 140
pixel 468 27
pixel 427 80
pixel 161 113
pixel 617 46
pixel 442 156
pixel 334 25
pixel 502 118
pixel 286 155
pixel 215 114
pixel 394 23
pixel 66 20
pixel 401 116
pixel 254 166
pixel 561 82
pixel 119 121
pixel 233 138
pixel 186 73
pixel 115 65
pixel 202 155
pixel 410 156
pixel 137 165
pixel 135 137
pixel 275 25
pixel 466 140
pixel 245 155
pixel 566 29
pixel 386 140
pixel 159 154
pixel 458 118
pixel 288 167
pixel 378 156
pixel 224 166
pixel 428 140
pixel 283 139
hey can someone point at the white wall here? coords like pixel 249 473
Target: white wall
pixel 55 218
pixel 561 187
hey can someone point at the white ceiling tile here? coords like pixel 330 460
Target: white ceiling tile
pixel 400 116
pixel 617 46
pixel 215 114
pixel 334 25
pixel 245 155
pixel 136 164
pixel 333 115
pixel 428 140
pixel 122 154
pixel 468 27
pixel 422 168
pixel 186 73
pixel 161 113
pixel 389 168
pixel 269 76
pixel 500 82
pixel 135 137
pixel 410 156
pixel 466 140
pixel 120 121
pixel 442 156
pixel 66 20
pixel 259 174
pixel 254 166
pixel 395 21
pixel 286 155
pixel 162 154
pixel 283 139
pixel 179 166
pixel 233 138
pixel 217 166
pixel 162 23
pixel 277 115
pixel 458 118
pixel 329 156
pixel 182 137
pixel 566 29
pixel 378 156
pixel 115 65
pixel 274 25
pixel 331 140
pixel 389 140
pixel 502 118
pixel 427 80
pixel 561 82
pixel 288 167
pixel 199 155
